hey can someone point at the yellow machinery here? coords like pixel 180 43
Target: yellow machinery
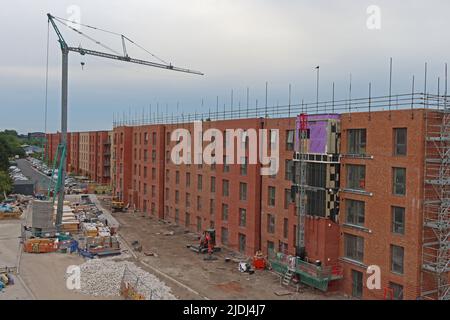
pixel 117 205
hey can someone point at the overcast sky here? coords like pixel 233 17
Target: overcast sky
pixel 236 43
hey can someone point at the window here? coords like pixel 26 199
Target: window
pixel 145 172
pixel 287 198
pixel 397 255
pixel 225 188
pixel 226 167
pixel 399 187
pixel 356 177
pixel 400 141
pixel 167 156
pixel 188 179
pixel 177 196
pixel 145 155
pixel 357 141
pixel 199 203
pixel 270 248
pixel 199 224
pixel 397 291
pixel 167 138
pixel 398 220
pixel 242 191
pixel 354 247
pixel 224 212
pixel 166 211
pixel 199 182
pixel 188 200
pixel 224 237
pixel 289 170
pixel 212 206
pixel 213 184
pixel 242 217
pixel 282 247
pixel 177 216
pixel 290 140
pixel 177 177
pixel 154 173
pixel 199 157
pixel 273 139
pixel 242 242
pixel 244 166
pixel 187 220
pixel 154 138
pixel 167 194
pixel 285 228
pixel 153 156
pixel 167 175
pixel 271 197
pixel 153 191
pixel 355 212
pixel 145 188
pixel 270 223
pixel 212 224
pixel 357 284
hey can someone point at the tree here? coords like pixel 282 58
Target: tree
pixel 5 183
pixel 5 152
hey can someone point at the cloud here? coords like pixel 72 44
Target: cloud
pixel 236 43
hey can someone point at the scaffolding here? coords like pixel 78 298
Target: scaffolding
pixel 302 132
pixel 436 205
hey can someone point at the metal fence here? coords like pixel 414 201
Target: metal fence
pixel 413 100
pixel 133 288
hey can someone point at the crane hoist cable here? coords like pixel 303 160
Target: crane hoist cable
pixel 62 20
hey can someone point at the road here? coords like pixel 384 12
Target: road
pixel 41 180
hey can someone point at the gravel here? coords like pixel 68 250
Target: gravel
pixel 102 277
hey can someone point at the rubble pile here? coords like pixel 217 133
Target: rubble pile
pixel 103 278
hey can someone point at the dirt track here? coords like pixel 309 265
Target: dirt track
pixel 208 279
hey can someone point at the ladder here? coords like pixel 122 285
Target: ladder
pixel 287 278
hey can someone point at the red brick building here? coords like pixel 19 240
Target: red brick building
pixel 382 198
pixel 51 147
pixel 220 196
pixel 88 153
pixel 102 160
pixel 123 148
pixel 74 167
pixel 368 182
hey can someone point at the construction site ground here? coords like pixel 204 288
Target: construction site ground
pixel 40 276
pixel 43 276
pixel 190 276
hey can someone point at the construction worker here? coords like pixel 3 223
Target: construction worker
pixel 209 242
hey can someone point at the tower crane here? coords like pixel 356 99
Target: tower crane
pixel 65 49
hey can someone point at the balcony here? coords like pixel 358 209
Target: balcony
pixel 310 274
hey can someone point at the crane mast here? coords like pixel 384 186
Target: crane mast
pixel 65 49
